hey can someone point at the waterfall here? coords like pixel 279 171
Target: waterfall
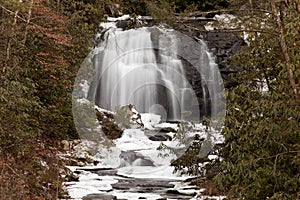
pixel 144 67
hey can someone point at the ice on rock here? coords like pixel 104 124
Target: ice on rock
pixel 134 139
pixel 89 183
pixel 160 172
pixel 114 19
pixel 150 120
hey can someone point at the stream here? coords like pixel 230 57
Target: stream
pixel 132 169
pixel 159 71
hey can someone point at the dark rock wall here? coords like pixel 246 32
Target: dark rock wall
pixel 223 46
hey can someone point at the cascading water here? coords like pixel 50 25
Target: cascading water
pixel 144 67
pixel 159 71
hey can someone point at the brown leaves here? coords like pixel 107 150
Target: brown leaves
pixel 12 184
pixel 60 39
pixel 35 23
pixel 33 175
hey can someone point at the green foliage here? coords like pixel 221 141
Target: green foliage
pixel 123 116
pixel 262 150
pixel 189 162
pixel 19 116
pixel 164 10
pixel 194 5
pixel 262 132
pixel 135 7
pixel 42 57
pixel 190 158
pixel 85 121
pixel 109 125
pixel 42 45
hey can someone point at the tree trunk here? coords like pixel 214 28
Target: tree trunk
pixel 284 49
pixel 10 40
pixel 28 21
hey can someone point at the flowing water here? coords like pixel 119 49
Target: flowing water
pixel 158 71
pixel 144 67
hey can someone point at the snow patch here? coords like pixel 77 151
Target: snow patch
pixel 149 172
pixel 89 183
pixel 150 120
pixel 114 19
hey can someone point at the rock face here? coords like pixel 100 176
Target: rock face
pixel 223 45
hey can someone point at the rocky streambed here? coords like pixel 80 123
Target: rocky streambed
pixel 140 188
pixel 131 167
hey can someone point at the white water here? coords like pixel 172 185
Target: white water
pixel 143 67
pixel 135 142
pixel 129 71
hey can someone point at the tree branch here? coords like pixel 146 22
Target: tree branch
pixel 12 170
pixel 60 39
pixel 284 49
pixel 197 13
pixel 233 30
pixel 279 154
pixel 28 21
pixel 13 13
pixel 9 42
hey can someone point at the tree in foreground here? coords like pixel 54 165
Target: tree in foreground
pixel 41 48
pixel 262 150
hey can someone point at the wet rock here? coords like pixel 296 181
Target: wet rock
pixel 156 135
pixel 167 129
pixel 113 124
pixel 71 177
pixel 131 158
pixel 142 185
pixel 99 197
pixel 159 138
pixel 106 172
